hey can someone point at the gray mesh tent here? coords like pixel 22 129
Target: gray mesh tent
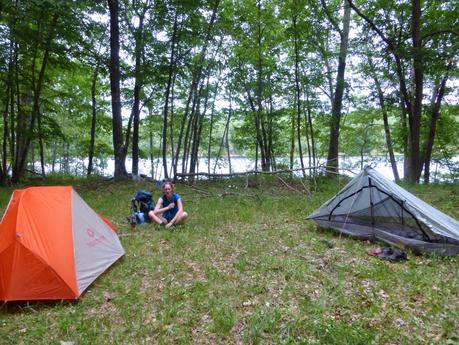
pixel 372 207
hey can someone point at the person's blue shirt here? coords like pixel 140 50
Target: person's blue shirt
pixel 169 214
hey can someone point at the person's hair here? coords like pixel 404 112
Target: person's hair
pixel 165 183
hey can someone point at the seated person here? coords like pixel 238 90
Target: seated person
pixel 169 208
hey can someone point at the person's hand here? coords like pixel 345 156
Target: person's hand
pixel 168 225
pixel 171 206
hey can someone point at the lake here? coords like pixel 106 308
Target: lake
pixel 349 165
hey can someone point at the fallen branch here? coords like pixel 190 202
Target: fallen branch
pixel 246 173
pixel 199 190
pixel 306 189
pixel 256 172
pixel 238 194
pixel 287 185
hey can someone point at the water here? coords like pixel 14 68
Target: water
pixel 349 165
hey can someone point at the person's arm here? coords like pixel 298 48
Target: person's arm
pixel 179 213
pixel 159 207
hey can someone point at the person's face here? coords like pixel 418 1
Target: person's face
pixel 167 190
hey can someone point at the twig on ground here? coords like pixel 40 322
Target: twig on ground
pixel 287 185
pixel 305 188
pixel 237 194
pixel 199 190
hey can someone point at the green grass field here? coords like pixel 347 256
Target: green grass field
pixel 247 268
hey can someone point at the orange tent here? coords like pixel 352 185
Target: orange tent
pixel 52 245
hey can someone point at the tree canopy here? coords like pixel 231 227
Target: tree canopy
pixel 285 83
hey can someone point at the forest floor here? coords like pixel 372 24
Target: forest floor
pixel 247 268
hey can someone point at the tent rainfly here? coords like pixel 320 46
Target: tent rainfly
pixel 52 245
pixel 372 207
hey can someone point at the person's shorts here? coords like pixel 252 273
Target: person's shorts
pixel 169 216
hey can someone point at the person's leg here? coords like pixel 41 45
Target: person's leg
pixel 182 218
pixel 157 218
pixel 179 220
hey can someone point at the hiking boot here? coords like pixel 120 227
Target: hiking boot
pixel 132 221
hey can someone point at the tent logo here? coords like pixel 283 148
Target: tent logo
pixel 94 240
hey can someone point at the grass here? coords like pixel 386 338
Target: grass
pixel 247 269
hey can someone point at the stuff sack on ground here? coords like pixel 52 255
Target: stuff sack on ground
pixel 141 204
pixel 388 253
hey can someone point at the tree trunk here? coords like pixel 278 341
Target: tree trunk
pixel 256 155
pixel 189 125
pixel 168 90
pixel 54 155
pixel 194 130
pixel 311 131
pixel 211 125
pixel 66 158
pixel 298 91
pixel 197 74
pixel 40 145
pixel 152 159
pixel 223 140
pixel 3 166
pixel 382 104
pixel 171 123
pixel 259 139
pixel 93 120
pixel 32 157
pixel 14 116
pixel 25 138
pixel 136 107
pixel 434 116
pixel 418 79
pixel 138 34
pixel 292 140
pixel 227 131
pixel 411 101
pixel 259 118
pixel 197 136
pixel 117 122
pixel 333 149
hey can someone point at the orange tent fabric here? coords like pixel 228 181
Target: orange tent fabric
pixel 52 245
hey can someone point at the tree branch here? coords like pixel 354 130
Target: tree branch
pixel 325 92
pixel 330 18
pixel 442 31
pixel 372 25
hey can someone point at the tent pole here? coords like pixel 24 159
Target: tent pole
pixel 402 208
pixel 371 203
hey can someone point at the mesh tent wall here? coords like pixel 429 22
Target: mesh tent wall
pixel 371 206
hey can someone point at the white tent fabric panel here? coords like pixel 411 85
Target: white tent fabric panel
pixel 96 245
pixel 439 222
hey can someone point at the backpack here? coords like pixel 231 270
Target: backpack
pixel 141 204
